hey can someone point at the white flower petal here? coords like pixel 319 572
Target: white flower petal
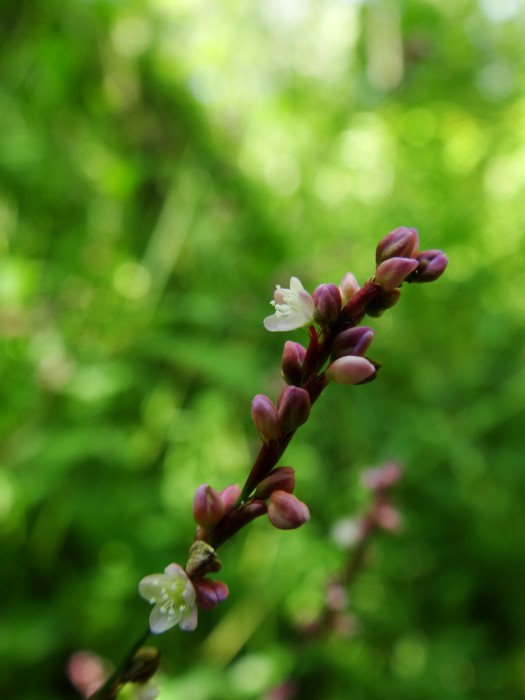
pixel 175 570
pixel 294 308
pixel 295 284
pixel 189 619
pixel 161 620
pixel 306 304
pixel 150 586
pixel 290 322
pixel 188 594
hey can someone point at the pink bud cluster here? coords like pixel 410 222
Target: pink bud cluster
pixel 273 495
pixel 285 511
pixel 292 410
pixel 399 260
pixel 210 506
pixel 383 514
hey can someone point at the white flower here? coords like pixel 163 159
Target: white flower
pixel 173 596
pixel 294 308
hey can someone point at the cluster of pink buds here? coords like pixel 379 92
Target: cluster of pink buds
pixel 399 260
pixel 273 495
pixel 383 515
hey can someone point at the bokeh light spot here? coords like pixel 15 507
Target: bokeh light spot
pixel 410 655
pixel 252 674
pixel 132 280
pixel 418 126
pixel 500 10
pixel 464 148
pixel 496 80
pixel 282 174
pixel 131 36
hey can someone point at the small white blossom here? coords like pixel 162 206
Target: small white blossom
pixel 294 308
pixel 173 596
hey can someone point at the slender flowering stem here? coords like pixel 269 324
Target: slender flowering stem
pixel 335 352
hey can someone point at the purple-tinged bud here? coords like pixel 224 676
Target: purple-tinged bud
pixel 293 408
pixel 432 264
pixel 208 507
pixel 336 596
pixel 391 273
pixel 348 287
pixel 230 496
pixel 286 512
pixel 327 298
pixel 354 341
pixel 381 302
pixel 350 370
pixel 264 415
pixel 280 479
pixel 382 478
pixel 400 243
pixel 209 593
pixel 387 517
pixel 292 362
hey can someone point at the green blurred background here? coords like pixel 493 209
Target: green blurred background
pixel 163 164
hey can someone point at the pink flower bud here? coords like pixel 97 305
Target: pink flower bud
pixel 286 512
pixel 346 625
pixel 327 298
pixel 292 362
pixel 432 264
pixel 400 243
pixel 387 517
pixel 87 672
pixel 350 370
pixel 336 596
pixel 348 287
pixel 280 479
pixel 293 408
pixel 382 478
pixel 209 593
pixel 391 273
pixel 208 507
pixel 264 415
pixel 230 496
pixel 354 341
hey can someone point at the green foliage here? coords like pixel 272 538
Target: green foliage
pixel 163 165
